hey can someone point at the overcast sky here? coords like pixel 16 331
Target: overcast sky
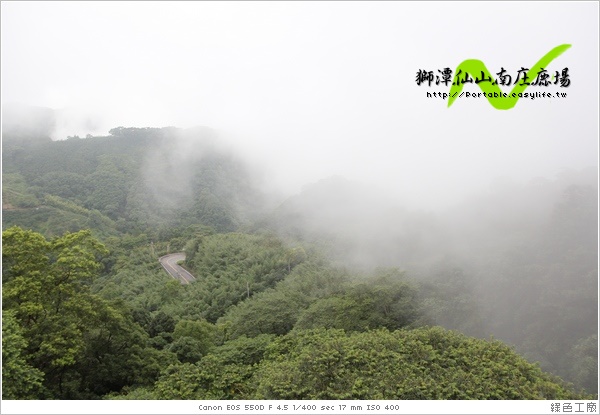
pixel 314 89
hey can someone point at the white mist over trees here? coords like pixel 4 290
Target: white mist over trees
pixel 318 195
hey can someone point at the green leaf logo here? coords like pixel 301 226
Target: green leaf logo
pixel 476 67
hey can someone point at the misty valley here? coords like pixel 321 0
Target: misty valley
pixel 338 291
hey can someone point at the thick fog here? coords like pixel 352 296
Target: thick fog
pixel 305 118
pixel 313 90
pixel 320 102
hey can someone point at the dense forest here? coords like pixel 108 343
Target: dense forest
pixel 334 293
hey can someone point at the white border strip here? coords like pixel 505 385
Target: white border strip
pixel 299 407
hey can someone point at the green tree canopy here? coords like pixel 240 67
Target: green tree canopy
pixel 425 363
pixel 83 345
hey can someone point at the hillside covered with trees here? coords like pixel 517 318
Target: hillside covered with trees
pixel 337 293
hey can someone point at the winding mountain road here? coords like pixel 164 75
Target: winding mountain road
pixel 169 263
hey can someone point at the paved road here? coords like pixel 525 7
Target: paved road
pixel 169 263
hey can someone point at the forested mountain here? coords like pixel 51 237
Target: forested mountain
pixel 134 179
pixel 518 262
pixel 339 293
